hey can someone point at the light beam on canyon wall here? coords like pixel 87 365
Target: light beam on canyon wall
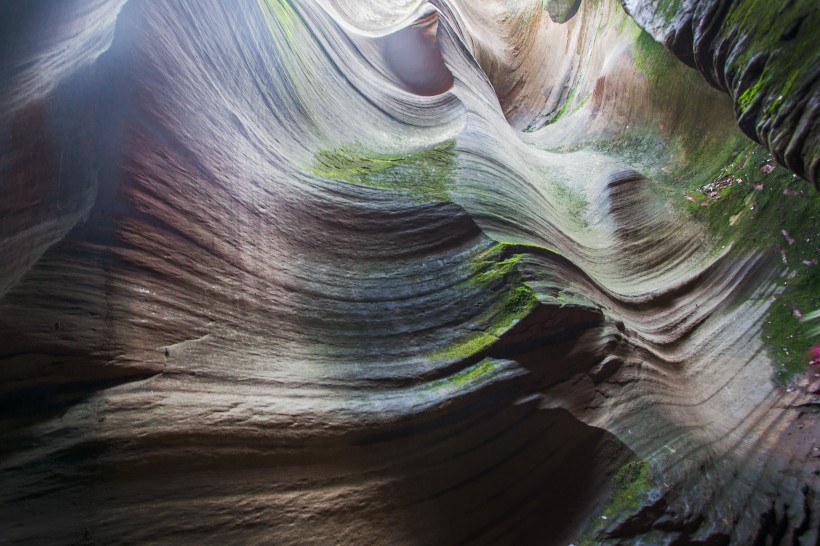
pixel 368 272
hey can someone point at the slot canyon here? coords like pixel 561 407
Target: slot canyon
pixel 410 272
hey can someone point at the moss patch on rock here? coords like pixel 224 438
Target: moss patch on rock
pixel 466 376
pixel 654 60
pixel 754 204
pixel 787 336
pixel 516 301
pixel 427 174
pixel 679 140
pixel 784 32
pixel 632 488
pixel 494 269
pixel 489 265
pixel 633 482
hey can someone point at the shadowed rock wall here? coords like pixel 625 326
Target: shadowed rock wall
pixel 763 54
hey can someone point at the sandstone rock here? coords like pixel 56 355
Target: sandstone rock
pixel 763 54
pixel 265 280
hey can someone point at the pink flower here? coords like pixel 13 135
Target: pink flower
pixel 814 355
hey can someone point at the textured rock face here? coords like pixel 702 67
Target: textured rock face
pixel 367 272
pixel 764 54
pixel 561 11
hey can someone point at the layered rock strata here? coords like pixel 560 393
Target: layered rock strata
pixel 351 272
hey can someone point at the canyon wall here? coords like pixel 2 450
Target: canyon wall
pixel 336 271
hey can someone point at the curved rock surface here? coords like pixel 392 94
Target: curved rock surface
pixel 404 273
pixel 764 54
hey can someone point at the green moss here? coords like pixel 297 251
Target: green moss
pixel 565 105
pixel 668 8
pixel 465 347
pixel 770 212
pixel 651 58
pixel 789 338
pixel 752 94
pixel 499 261
pixel 632 487
pixel 497 270
pixel 466 376
pixel 488 270
pixel 674 145
pixel 516 302
pixel 494 269
pixel 784 31
pixel 573 200
pixel 426 173
pixel 633 482
pixel 754 218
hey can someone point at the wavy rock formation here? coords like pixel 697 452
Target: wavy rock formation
pixel 337 271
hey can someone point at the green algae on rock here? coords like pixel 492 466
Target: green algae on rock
pixel 494 269
pixel 754 205
pixel 377 312
pixel 631 489
pixel 764 55
pixel 466 376
pixel 425 174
